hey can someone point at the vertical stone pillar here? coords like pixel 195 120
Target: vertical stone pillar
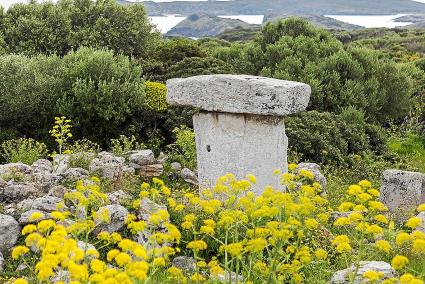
pixel 239 128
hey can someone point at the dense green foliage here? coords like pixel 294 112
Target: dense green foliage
pixel 98 90
pixel 339 76
pixel 58 28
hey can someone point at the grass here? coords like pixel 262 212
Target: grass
pixel 411 148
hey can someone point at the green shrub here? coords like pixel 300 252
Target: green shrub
pixel 331 139
pixel 123 144
pixel 24 150
pixel 83 151
pixel 184 148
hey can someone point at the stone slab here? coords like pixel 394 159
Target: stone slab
pixel 240 144
pixel 402 192
pixel 239 94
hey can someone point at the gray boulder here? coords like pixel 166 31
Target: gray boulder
pixel 14 168
pixel 117 214
pixel 189 176
pixel 161 158
pixel 117 197
pixel 75 174
pixel 42 166
pixel 1 262
pixel 46 203
pixel 185 263
pixel 315 169
pixel 142 157
pixel 402 192
pixel 9 232
pixel 147 208
pixel 16 192
pixel 60 163
pixel 58 191
pixel 25 217
pixel 343 276
pixel 422 226
pixel 176 166
pixel 109 166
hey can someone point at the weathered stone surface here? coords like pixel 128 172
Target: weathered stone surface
pixel 75 174
pixel 161 158
pixel 176 166
pixel 13 168
pixel 17 192
pixel 45 180
pixel 147 208
pixel 117 214
pixel 117 197
pixel 60 163
pixel 9 232
pixel 342 276
pixel 240 144
pixel 315 169
pixel 1 262
pixel 227 277
pixel 47 203
pixel 151 170
pixel 109 166
pixel 25 217
pixel 42 166
pixel 402 192
pixel 58 191
pixel 3 183
pixel 421 227
pixel 239 94
pixel 185 263
pixel 189 176
pixel 142 157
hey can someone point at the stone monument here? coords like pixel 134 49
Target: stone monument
pixel 239 128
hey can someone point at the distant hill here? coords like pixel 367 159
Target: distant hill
pixel 321 21
pixel 204 25
pixel 293 7
pixel 417 20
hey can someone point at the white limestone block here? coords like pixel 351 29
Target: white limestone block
pixel 240 144
pixel 239 94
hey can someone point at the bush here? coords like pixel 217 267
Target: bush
pixel 330 139
pixel 184 148
pixel 123 144
pixel 100 91
pixel 83 151
pixel 24 150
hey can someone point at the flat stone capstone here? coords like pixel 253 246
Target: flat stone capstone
pixel 239 94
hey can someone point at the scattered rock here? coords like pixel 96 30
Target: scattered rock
pixel 14 168
pixel 47 203
pixel 42 166
pixel 402 192
pixel 147 208
pixel 151 170
pixel 189 176
pixel 176 166
pixel 21 267
pixel 16 192
pixel 75 174
pixel 109 166
pixel 45 180
pixel 3 183
pixel 61 275
pixel 118 196
pixel 117 214
pixel 185 263
pixel 227 277
pixel 343 276
pixel 9 232
pixel 58 191
pixel 85 246
pixel 142 157
pixel 161 158
pixel 315 169
pixel 25 217
pixel 1 262
pixel 421 216
pixel 60 163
